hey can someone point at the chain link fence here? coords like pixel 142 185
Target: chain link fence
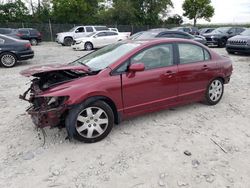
pixel 49 30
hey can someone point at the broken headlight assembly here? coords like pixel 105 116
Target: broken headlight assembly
pixel 49 102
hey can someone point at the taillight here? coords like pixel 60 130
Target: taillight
pixel 19 34
pixel 27 45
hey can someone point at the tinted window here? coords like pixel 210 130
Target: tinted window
pixel 89 29
pixel 190 53
pixel 24 32
pixel 111 33
pixel 102 34
pixel 101 28
pixel 239 30
pixel 80 30
pixel 177 35
pixel 155 57
pixel 206 55
pixel 167 35
pixel 33 32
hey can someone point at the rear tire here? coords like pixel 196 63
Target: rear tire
pixel 68 41
pixel 90 123
pixel 214 91
pixel 88 46
pixel 8 59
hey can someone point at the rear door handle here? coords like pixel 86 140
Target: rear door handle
pixel 204 67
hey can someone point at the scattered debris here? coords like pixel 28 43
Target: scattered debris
pixel 223 149
pixel 195 163
pixel 182 184
pixel 28 155
pixel 161 183
pixel 188 153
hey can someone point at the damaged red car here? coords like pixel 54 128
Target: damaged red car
pixel 126 79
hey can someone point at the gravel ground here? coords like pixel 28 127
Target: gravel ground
pixel 144 152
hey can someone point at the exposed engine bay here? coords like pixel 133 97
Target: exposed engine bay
pixel 49 111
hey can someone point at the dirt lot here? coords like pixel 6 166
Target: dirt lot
pixel 145 152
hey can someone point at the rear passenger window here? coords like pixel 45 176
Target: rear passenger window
pixel 89 29
pixel 25 32
pixel 190 53
pixel 111 33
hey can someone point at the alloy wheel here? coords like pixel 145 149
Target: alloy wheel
pixel 215 90
pixel 8 60
pixel 92 122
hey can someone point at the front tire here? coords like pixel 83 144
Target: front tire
pixel 88 46
pixel 8 59
pixel 214 91
pixel 68 41
pixel 90 123
pixel 222 43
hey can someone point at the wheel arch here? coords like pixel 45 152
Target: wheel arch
pixel 107 100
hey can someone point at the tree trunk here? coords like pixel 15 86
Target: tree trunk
pixel 195 20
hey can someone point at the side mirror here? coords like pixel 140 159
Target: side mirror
pixel 230 32
pixel 136 67
pixel 76 31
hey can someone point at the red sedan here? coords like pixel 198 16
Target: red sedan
pixel 91 94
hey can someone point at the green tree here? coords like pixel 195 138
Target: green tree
pixel 175 20
pixel 13 12
pixel 198 9
pixel 74 11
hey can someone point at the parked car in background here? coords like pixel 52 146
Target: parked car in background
pixel 239 43
pixel 123 80
pixel 9 32
pixel 67 38
pixel 169 34
pixel 220 35
pixel 31 34
pixel 124 35
pixel 97 40
pixel 206 30
pixel 190 30
pixel 13 50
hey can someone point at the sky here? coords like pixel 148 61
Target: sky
pixel 226 11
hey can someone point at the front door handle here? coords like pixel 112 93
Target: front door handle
pixel 169 73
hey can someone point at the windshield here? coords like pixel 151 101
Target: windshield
pixel 106 56
pixel 246 32
pixel 220 30
pixel 73 29
pixel 91 34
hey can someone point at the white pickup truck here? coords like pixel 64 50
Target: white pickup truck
pixel 123 35
pixel 67 38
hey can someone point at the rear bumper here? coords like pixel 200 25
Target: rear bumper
pixel 238 48
pixel 24 55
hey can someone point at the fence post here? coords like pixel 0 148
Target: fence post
pixel 50 29
pixel 132 29
pixel 22 25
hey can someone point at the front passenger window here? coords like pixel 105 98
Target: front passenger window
pixel 155 57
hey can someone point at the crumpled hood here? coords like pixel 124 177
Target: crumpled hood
pixel 53 67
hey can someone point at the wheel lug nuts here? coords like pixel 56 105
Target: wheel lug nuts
pixel 94 124
pixel 95 120
pixel 89 125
